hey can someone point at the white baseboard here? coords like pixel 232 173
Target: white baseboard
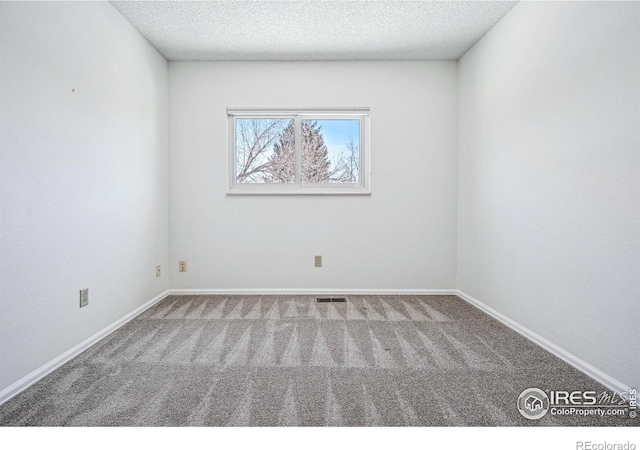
pixel 584 367
pixel 52 365
pixel 313 291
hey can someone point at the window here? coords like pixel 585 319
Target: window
pixel 287 151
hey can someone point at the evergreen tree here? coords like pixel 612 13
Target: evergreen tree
pixel 315 158
pixel 281 168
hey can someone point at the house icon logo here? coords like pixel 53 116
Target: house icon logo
pixel 533 403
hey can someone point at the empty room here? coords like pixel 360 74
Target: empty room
pixel 319 214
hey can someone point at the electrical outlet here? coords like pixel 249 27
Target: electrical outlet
pixel 84 297
pixel 183 266
pixel 318 261
pixel 158 271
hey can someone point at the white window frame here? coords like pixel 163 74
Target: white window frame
pixel 298 188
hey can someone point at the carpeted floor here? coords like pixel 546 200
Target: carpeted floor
pixel 289 361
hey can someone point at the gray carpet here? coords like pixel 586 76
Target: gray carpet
pixel 289 361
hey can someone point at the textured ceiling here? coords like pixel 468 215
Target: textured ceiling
pixel 312 30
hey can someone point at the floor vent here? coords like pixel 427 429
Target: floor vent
pixel 331 299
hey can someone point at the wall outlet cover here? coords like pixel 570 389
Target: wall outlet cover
pixel 84 297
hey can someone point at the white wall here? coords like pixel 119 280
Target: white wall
pixel 83 176
pixel 400 237
pixel 549 194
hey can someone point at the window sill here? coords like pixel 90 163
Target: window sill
pixel 299 190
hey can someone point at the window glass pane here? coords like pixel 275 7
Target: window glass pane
pixel 265 150
pixel 330 151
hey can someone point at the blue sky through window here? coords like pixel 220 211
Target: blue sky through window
pixel 336 132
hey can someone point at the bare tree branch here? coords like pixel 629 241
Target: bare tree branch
pixel 254 141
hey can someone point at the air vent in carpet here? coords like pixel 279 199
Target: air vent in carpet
pixel 331 299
